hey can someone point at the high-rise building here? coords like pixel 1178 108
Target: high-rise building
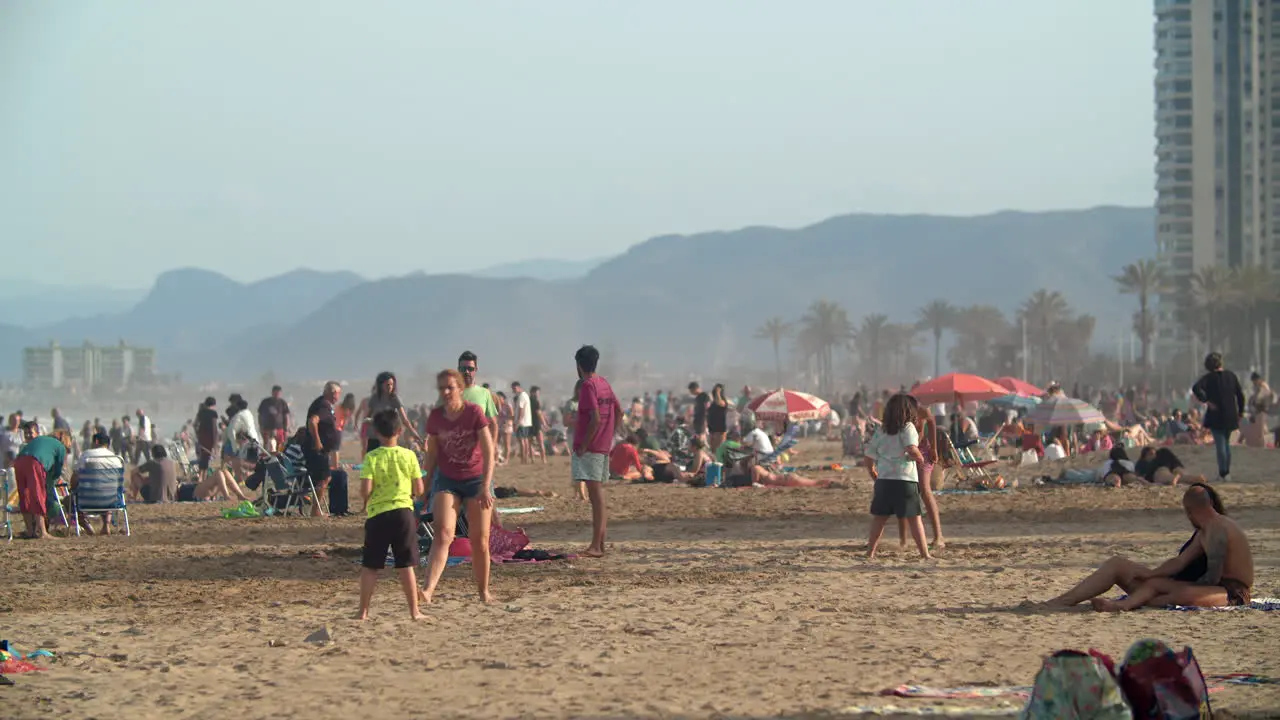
pixel 1217 94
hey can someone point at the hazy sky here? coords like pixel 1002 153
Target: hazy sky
pixel 386 137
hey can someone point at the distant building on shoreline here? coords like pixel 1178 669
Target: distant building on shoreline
pixel 87 366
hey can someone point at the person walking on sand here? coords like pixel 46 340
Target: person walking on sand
pixel 460 447
pixel 522 408
pixel 599 414
pixel 891 459
pixel 390 479
pixel 1219 389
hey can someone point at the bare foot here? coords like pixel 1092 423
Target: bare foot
pixel 417 615
pixel 362 615
pixel 592 552
pixel 939 544
pixel 1105 605
pixel 486 597
pixel 424 597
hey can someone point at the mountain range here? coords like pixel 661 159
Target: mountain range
pixel 677 302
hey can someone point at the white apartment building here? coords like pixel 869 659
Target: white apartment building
pixel 1217 94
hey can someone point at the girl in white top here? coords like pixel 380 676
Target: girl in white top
pixel 891 459
pixel 243 423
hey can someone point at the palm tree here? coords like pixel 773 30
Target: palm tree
pixel 1144 278
pixel 1042 312
pixel 978 329
pixel 825 327
pixel 1254 289
pixel 937 316
pixel 1212 289
pixel 774 330
pixel 872 340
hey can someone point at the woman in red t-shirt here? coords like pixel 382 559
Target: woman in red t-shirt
pixel 459 460
pixel 624 462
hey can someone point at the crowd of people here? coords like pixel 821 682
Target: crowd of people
pixel 442 457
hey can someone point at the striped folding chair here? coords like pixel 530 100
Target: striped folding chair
pixel 7 486
pixel 99 491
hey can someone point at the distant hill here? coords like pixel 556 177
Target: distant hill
pixel 45 304
pixel 682 303
pixel 197 319
pixel 541 269
pixel 694 302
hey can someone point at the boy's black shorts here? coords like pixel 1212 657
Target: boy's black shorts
pixel 394 530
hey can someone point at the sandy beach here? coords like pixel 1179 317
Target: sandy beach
pixel 713 603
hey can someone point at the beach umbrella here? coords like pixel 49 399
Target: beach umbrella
pixel 955 387
pixel 1019 387
pixel 789 405
pixel 1016 401
pixel 1064 411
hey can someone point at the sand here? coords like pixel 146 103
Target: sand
pixel 712 603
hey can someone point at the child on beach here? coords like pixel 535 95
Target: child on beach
pixel 891 459
pixel 389 480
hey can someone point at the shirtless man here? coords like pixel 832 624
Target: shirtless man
pixel 1226 581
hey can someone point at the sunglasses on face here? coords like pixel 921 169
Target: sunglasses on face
pixel 466 368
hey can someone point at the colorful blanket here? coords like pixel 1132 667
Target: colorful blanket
pixel 970 491
pixel 1268 604
pixel 931 711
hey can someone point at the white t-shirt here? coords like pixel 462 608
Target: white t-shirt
pixel 1054 451
pixel 890 453
pixel 523 410
pixel 1105 469
pixel 833 420
pixel 938 409
pixel 99 459
pixel 758 440
pixel 243 422
pixel 144 429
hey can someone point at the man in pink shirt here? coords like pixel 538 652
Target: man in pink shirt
pixel 598 415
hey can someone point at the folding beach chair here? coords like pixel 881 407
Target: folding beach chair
pixel 8 485
pixel 967 467
pixel 286 484
pixel 99 491
pixel 177 452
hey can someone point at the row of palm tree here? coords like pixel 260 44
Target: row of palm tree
pixel 1224 306
pixel 1225 309
pixel 883 350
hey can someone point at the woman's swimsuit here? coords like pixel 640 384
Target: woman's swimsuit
pixel 718 418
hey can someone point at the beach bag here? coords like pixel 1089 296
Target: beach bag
pixel 1072 685
pixel 1163 685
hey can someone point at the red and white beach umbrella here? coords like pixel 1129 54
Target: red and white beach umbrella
pixel 789 405
pixel 1021 388
pixel 954 387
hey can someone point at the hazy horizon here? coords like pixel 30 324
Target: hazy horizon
pixel 250 140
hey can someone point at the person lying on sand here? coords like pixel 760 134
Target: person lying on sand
pixel 1213 569
pixel 747 473
pixel 503 493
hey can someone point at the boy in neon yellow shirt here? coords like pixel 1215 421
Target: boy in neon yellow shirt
pixel 389 480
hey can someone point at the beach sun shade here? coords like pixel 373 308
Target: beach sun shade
pixel 1018 387
pixel 1016 401
pixel 1064 411
pixel 966 387
pixel 789 405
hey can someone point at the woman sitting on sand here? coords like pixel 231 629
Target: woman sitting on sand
pixel 1189 565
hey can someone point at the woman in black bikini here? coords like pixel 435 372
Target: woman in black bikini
pixel 717 417
pixel 1188 566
